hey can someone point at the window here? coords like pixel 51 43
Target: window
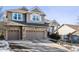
pixel 36 18
pixel 17 16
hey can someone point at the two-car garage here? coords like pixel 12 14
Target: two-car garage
pixel 16 33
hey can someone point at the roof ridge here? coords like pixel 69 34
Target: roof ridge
pixel 72 24
pixel 75 27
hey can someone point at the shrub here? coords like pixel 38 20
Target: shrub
pixel 54 37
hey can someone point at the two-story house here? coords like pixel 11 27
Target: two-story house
pixel 22 24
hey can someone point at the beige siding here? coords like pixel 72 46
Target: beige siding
pixel 28 18
pixel 43 18
pixel 9 15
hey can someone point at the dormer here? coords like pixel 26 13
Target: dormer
pixel 37 16
pixel 19 14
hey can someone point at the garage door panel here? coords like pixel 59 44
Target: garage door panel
pixel 34 34
pixel 13 35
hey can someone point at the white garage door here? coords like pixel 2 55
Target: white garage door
pixel 13 35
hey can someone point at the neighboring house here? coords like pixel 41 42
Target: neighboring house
pixel 69 32
pixel 22 24
pixel 53 25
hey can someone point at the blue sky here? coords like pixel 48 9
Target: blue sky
pixel 63 14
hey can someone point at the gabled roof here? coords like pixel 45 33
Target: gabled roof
pixel 75 27
pixel 37 9
pixel 24 8
pixel 54 22
pixel 19 10
pixel 11 23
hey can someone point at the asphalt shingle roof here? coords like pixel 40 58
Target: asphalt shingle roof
pixel 36 24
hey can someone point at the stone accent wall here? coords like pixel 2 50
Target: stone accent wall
pixel 23 33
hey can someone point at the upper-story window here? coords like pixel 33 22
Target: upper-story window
pixel 17 16
pixel 36 18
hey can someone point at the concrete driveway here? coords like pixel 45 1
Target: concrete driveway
pixel 38 47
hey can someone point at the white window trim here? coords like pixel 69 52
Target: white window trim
pixel 17 17
pixel 36 20
pixel 13 14
pixel 21 17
